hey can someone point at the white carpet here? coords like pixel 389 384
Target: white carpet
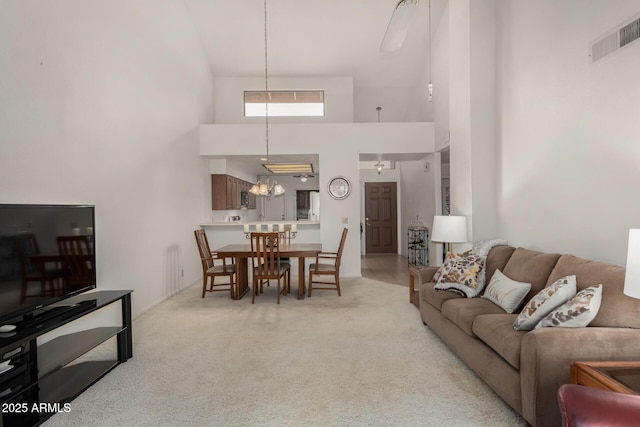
pixel 363 359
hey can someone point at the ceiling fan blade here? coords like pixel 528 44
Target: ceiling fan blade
pixel 398 25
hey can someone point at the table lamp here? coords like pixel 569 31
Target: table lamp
pixel 449 229
pixel 632 275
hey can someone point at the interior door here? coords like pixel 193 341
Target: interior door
pixel 381 217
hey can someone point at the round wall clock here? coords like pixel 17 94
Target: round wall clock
pixel 339 187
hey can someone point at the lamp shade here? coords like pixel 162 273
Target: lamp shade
pixel 278 189
pixel 632 276
pixel 449 229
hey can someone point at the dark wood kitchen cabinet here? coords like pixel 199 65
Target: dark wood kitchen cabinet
pixel 227 193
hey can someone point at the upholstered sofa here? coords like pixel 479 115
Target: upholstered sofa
pixel 526 368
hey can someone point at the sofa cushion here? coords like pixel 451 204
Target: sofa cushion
pixel 505 292
pixel 544 302
pixel 531 267
pixel 482 249
pixel 578 312
pixel 462 311
pixel 616 310
pixel 496 331
pixel 497 259
pixel 436 297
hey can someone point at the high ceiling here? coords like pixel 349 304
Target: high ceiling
pixel 319 38
pixel 311 38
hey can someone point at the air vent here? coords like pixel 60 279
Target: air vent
pixel 604 47
pixel 630 32
pixel 617 38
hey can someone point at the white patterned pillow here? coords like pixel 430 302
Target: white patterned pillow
pixel 506 292
pixel 543 303
pixel 578 312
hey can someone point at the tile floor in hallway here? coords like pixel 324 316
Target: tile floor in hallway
pixel 390 268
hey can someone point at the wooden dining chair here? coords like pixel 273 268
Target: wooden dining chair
pixel 77 261
pixel 285 236
pixel 211 270
pixel 330 268
pixel 31 270
pixel 266 263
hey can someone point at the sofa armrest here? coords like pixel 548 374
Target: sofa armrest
pixel 546 357
pixel 424 275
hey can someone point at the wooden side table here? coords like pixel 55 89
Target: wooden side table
pixel 414 295
pixel 618 376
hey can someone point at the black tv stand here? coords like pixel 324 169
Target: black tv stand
pixel 43 373
pixel 41 317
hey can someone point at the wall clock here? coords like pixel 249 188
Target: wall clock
pixel 339 187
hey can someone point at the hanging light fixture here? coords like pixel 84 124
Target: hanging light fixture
pixel 266 188
pixel 430 85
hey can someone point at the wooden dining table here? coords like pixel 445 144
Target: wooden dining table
pixel 242 252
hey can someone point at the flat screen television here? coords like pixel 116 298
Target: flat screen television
pixel 47 253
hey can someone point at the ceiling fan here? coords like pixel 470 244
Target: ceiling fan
pixel 304 177
pixel 398 25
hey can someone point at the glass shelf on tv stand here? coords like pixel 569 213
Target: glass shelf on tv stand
pixel 55 371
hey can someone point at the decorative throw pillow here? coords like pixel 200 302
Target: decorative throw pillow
pixel 543 303
pixel 463 270
pixel 506 292
pixel 444 267
pixel 449 260
pixel 578 312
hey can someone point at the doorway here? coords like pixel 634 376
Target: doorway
pixel 381 217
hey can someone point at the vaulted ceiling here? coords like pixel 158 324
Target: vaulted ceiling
pixel 309 38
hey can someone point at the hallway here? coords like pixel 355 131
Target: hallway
pixel 390 268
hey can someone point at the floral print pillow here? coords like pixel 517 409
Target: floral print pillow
pixel 449 260
pixel 461 276
pixel 578 312
pixel 543 303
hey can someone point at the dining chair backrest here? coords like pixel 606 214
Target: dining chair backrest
pixel 343 239
pixel 76 254
pixel 203 248
pixel 285 232
pixel 26 246
pixel 265 254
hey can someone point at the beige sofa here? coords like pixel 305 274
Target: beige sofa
pixel 526 368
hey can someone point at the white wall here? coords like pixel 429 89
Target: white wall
pixel 569 130
pixel 393 101
pixel 418 195
pixel 338 93
pixel 440 80
pixel 484 169
pixel 99 104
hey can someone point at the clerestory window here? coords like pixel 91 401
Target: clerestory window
pixel 281 103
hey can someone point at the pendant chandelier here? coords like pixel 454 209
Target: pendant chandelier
pixel 266 188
